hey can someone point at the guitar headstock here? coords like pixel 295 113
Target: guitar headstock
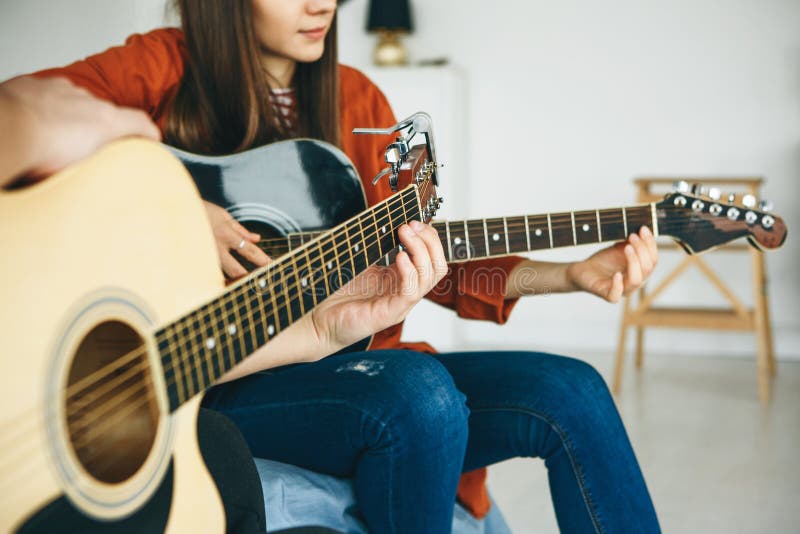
pixel 417 169
pixel 411 165
pixel 700 218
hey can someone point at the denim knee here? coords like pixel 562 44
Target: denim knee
pixel 420 405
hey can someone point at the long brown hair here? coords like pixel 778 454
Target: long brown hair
pixel 223 105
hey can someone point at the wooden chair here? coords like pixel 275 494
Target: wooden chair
pixel 736 317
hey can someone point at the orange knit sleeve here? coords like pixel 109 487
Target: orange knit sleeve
pixel 475 289
pixel 143 73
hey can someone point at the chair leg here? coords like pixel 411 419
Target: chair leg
pixel 640 335
pixel 620 361
pixel 762 330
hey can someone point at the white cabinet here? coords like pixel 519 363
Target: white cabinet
pixel 440 92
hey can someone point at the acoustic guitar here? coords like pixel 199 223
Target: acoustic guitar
pixel 115 318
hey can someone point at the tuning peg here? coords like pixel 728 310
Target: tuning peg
pixel 714 193
pixel 731 198
pixel 749 201
pixel 681 186
pixel 765 205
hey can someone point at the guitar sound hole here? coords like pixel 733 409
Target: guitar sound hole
pixel 111 408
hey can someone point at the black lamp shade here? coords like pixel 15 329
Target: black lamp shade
pixel 389 15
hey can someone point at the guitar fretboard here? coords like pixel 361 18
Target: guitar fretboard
pixel 203 345
pixel 484 238
pixel 474 239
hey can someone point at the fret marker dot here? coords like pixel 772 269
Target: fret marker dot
pixel 262 283
pixel 457 241
pixel 270 329
pixel 383 230
pixel 496 237
pixel 330 265
pixel 232 329
pixel 538 232
pixel 585 227
pixel 355 248
pixel 211 343
pixel 304 282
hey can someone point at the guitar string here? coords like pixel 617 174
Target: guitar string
pixel 122 399
pixel 392 211
pixel 709 231
pixel 516 225
pixel 232 295
pixel 375 216
pixel 132 370
pixel 129 408
pixel 673 225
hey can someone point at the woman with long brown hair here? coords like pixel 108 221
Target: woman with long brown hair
pixel 404 422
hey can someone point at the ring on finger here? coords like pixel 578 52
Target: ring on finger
pixel 241 244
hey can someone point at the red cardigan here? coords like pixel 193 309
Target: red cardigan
pixel 146 72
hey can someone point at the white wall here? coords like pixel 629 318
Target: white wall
pixel 566 102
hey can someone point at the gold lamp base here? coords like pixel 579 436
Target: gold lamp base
pixel 390 51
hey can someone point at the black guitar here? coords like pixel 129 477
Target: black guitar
pixel 314 186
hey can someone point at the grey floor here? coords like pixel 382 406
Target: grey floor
pixel 715 460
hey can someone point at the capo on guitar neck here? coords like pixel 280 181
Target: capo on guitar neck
pixel 396 153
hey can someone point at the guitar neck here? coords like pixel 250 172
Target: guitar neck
pixel 475 239
pixel 201 346
pixel 486 238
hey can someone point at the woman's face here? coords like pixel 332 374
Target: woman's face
pixel 293 29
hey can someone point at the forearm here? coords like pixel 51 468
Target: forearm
pixel 531 277
pixel 299 343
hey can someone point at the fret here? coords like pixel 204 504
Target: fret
pixel 517 234
pixel 496 237
pixel 458 240
pixel 467 244
pixel 550 230
pixel 574 237
pixel 599 230
pixel 562 229
pixel 188 355
pixel 355 233
pixel 243 301
pixel 193 350
pixel 527 234
pixel 654 219
pixel 586 228
pixel 449 242
pixel 625 221
pixel 294 288
pixel 232 330
pixel 610 224
pixel 477 246
pixel 538 232
pixel 373 245
pixel 176 389
pixel 505 231
pixel 485 237
pixel 637 217
pixel 217 336
pixel 387 238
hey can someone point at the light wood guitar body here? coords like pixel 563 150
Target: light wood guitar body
pixel 93 258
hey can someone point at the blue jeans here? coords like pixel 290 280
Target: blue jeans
pixel 404 425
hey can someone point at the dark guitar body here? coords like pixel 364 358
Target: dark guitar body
pixel 284 188
pixel 61 515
